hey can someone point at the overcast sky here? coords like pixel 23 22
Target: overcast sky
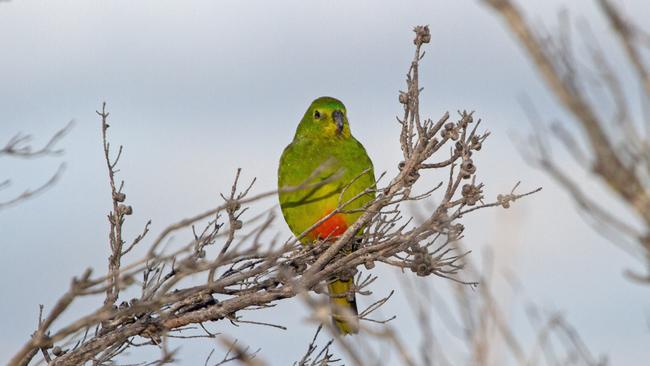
pixel 197 89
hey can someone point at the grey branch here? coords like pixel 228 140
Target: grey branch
pixel 243 266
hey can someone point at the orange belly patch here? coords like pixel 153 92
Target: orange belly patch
pixel 330 228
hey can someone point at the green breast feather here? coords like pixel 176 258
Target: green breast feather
pixel 347 159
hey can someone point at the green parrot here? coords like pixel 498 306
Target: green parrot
pixel 323 141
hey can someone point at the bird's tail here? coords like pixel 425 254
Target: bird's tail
pixel 344 306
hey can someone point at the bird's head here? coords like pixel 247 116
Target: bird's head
pixel 326 117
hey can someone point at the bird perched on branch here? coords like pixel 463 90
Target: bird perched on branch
pixel 324 150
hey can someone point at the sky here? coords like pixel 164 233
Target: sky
pixel 198 89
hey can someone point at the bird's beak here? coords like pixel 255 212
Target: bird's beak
pixel 339 119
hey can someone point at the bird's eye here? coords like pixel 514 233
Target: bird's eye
pixel 316 114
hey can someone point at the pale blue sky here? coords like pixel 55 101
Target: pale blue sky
pixel 197 89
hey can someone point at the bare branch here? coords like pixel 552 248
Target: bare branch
pixel 244 267
pixel 19 145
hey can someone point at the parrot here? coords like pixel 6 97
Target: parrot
pixel 323 148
